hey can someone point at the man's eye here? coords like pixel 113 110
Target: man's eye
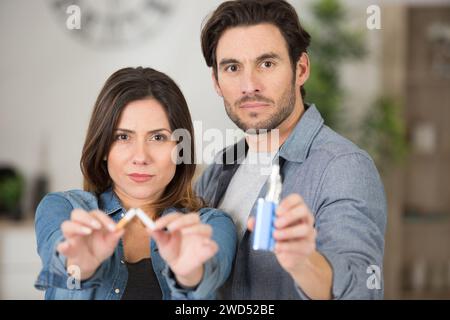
pixel 121 136
pixel 231 68
pixel 159 137
pixel 268 64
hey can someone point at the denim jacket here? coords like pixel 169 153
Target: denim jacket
pixel 341 186
pixel 110 279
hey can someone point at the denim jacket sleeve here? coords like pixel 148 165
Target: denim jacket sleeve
pixel 351 221
pixel 52 211
pixel 218 268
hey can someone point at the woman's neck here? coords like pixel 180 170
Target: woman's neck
pixel 128 203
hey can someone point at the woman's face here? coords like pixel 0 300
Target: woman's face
pixel 140 162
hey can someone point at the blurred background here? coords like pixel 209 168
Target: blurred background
pixel 380 76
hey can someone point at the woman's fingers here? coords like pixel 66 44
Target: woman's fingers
pixel 208 248
pixel 83 223
pixel 183 221
pixel 177 221
pixel 198 229
pixel 105 221
pixel 67 248
pixel 70 229
pixel 162 222
pixel 63 247
pixel 82 217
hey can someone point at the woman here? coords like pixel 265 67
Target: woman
pixel 127 162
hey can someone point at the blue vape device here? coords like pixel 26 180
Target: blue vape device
pixel 265 213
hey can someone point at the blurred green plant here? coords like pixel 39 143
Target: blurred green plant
pixel 383 133
pixel 11 189
pixel 382 130
pixel 332 44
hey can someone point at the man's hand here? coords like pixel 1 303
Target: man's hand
pixel 295 247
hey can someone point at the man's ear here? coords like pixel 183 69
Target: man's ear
pixel 216 84
pixel 302 70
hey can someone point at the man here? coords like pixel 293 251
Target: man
pixel 330 223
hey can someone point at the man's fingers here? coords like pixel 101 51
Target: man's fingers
pixel 251 223
pixel 289 202
pixel 294 215
pixel 85 218
pixel 300 247
pixel 301 230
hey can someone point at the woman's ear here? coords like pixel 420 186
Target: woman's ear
pixel 216 84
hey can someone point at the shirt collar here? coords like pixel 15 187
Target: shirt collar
pixel 297 145
pixel 110 203
pixel 294 149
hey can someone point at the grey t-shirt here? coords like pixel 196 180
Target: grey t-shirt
pixel 245 186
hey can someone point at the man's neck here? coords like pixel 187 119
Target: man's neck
pixel 273 139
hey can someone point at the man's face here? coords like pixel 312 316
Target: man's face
pixel 255 76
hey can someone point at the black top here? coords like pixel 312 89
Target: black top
pixel 142 282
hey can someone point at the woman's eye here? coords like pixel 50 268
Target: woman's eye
pixel 158 137
pixel 121 136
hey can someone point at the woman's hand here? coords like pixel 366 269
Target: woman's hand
pixel 90 238
pixel 185 246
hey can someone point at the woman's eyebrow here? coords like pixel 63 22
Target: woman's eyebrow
pixel 151 131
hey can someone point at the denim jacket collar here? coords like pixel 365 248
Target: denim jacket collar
pixel 110 203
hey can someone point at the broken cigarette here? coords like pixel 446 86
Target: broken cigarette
pixel 145 219
pixel 131 214
pixel 127 218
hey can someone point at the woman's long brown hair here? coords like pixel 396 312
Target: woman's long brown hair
pixel 125 86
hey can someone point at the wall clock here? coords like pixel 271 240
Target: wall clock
pixel 114 22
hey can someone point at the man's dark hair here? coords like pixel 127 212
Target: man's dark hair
pixel 252 12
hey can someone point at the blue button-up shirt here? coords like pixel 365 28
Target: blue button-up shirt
pixel 341 186
pixel 110 279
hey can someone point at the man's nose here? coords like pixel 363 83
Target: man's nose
pixel 250 83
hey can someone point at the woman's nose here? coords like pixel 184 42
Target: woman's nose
pixel 141 155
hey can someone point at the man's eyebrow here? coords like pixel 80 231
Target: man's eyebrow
pixel 226 61
pixel 265 56
pixel 270 55
pixel 151 131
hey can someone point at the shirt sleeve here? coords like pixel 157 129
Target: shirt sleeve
pixel 350 222
pixel 218 268
pixel 52 211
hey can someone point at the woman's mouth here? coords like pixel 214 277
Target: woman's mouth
pixel 140 177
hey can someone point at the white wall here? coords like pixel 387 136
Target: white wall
pixel 49 81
